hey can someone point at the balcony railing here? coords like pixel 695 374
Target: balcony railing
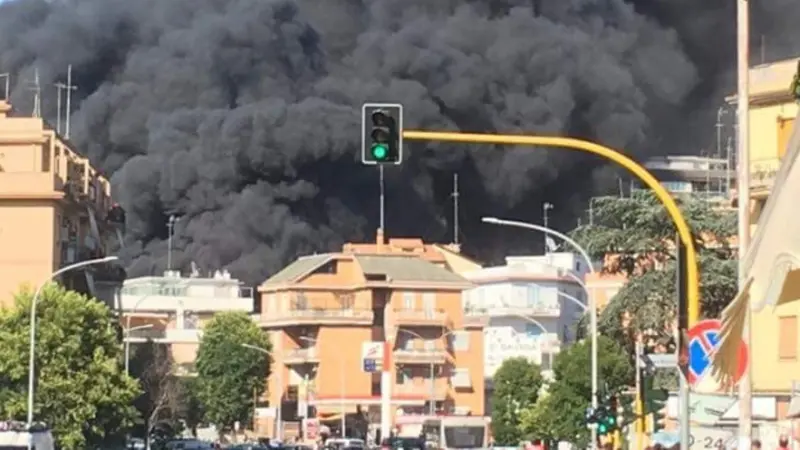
pixel 763 173
pixel 301 356
pixel 315 316
pixel 421 317
pixel 535 310
pixel 419 355
pixel 147 334
pixel 423 390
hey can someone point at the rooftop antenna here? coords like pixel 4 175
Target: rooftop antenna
pixel 171 229
pixel 6 85
pixel 60 87
pixel 37 94
pixel 69 88
pixel 455 208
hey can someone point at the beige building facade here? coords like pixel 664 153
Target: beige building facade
pixel 55 210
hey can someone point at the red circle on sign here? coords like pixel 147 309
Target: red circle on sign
pixel 704 326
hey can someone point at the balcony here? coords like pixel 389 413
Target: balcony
pixel 421 317
pixel 298 316
pixel 422 390
pixel 541 309
pixel 200 295
pixel 762 176
pixel 299 356
pixel 420 355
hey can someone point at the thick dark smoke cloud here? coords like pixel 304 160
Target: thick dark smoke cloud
pixel 241 116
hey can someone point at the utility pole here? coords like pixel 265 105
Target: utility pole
pixel 383 199
pixel 6 85
pixel 60 88
pixel 639 402
pixel 455 209
pixel 69 88
pixel 171 229
pixel 743 180
pixel 546 206
pixel 37 94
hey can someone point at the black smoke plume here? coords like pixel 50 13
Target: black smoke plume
pixel 241 116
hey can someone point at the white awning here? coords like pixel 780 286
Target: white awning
pixel 772 261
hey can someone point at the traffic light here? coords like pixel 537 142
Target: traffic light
pixel 603 418
pixel 382 133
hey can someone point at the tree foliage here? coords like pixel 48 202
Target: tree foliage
pixel 81 391
pixel 228 372
pixel 560 414
pixel 636 237
pixel 516 384
pixel 160 401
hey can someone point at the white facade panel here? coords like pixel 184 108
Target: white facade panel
pixel 527 304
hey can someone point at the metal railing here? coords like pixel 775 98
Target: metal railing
pixel 301 353
pixel 523 310
pixel 420 314
pixel 763 173
pixel 321 312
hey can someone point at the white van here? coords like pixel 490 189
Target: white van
pixel 16 436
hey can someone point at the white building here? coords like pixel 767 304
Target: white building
pixel 172 309
pixel 525 305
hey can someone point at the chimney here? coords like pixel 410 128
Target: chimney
pixel 379 241
pixel 5 107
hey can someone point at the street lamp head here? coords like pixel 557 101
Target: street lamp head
pixel 109 258
pixel 488 219
pixel 308 339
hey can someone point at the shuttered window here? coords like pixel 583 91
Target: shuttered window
pixel 787 338
pixel 785 127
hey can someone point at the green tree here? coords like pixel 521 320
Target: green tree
pixel 561 413
pixel 81 390
pixel 228 372
pixel 641 237
pixel 516 387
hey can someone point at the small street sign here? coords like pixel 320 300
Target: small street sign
pixel 370 365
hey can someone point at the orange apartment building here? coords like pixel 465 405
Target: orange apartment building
pixel 321 310
pixel 55 210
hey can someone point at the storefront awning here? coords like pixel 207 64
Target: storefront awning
pixel 772 262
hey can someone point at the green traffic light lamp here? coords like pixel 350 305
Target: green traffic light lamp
pixel 380 151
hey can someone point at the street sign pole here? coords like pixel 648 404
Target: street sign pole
pixel 683 325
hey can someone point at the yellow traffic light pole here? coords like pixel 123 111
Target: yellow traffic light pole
pixel 692 273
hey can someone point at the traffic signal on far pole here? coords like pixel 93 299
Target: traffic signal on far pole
pixel 382 133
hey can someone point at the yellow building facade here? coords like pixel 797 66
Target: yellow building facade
pixel 772 117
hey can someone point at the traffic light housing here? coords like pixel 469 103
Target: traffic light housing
pixel 382 133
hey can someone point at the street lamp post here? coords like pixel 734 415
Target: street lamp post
pixel 32 344
pixel 592 299
pixel 343 418
pixel 279 382
pixel 127 342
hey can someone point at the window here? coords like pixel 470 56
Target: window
pixel 533 295
pixel 460 341
pixel 785 127
pixel 787 338
pixel 403 376
pixel 532 330
pixel 460 378
pixel 430 345
pixel 408 300
pixel 428 301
